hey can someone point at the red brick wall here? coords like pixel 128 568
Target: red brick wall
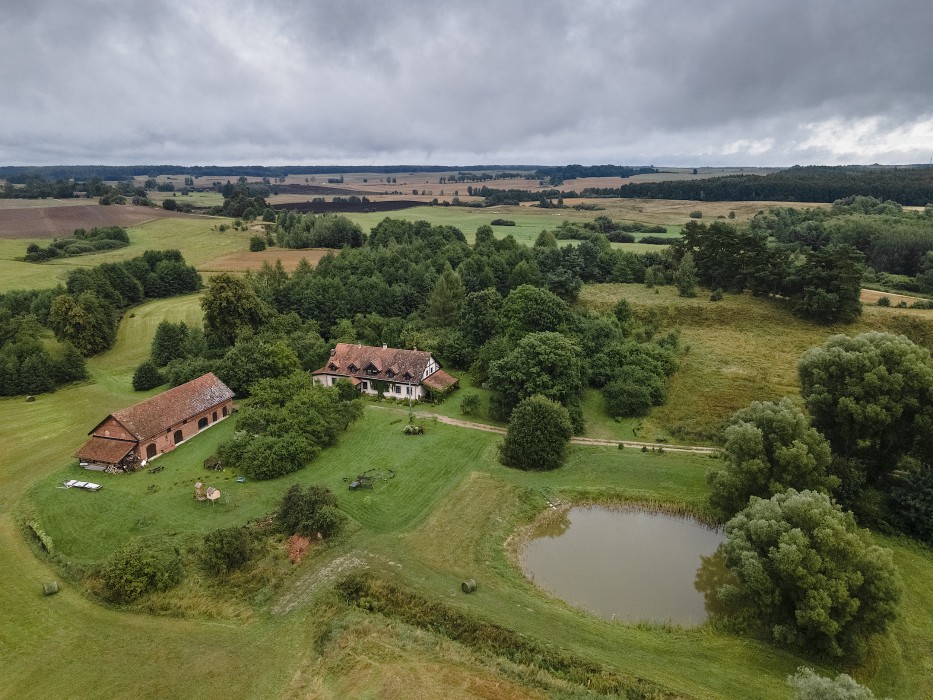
pixel 112 429
pixel 165 441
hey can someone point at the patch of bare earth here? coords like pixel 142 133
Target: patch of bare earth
pixel 871 296
pixel 303 589
pixel 56 220
pixel 246 260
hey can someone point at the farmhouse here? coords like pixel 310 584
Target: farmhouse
pixel 155 426
pixel 401 374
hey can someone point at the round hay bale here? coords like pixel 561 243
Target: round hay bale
pixel 50 588
pixel 468 586
pixel 30 399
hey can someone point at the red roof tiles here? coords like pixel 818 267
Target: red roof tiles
pixel 105 450
pixel 155 415
pixel 440 380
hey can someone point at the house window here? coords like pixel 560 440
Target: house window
pixel 202 423
pixel 150 450
pixel 408 390
pixel 398 389
pixel 179 436
pixel 365 385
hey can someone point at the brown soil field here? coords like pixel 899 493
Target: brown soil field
pixel 246 260
pixel 871 296
pixel 57 220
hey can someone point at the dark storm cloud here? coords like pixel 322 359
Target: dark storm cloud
pixel 533 82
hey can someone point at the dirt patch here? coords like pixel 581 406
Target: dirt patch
pixel 348 208
pixel 297 547
pixel 55 220
pixel 246 260
pixel 871 296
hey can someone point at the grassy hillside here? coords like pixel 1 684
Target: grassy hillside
pixel 735 351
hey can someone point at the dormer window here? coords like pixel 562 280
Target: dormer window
pixel 407 375
pixel 390 374
pixel 353 367
pixel 333 367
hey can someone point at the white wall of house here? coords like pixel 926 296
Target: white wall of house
pixel 395 390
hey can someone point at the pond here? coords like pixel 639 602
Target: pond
pixel 626 564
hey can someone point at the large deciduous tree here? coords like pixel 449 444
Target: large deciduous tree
pixel 86 321
pixel 813 577
pixel 537 437
pixel 769 447
pixel 231 307
pixel 872 397
pixel 549 364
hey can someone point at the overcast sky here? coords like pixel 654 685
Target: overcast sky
pixel 753 82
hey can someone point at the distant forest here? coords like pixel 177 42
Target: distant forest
pixel 18 174
pixel 910 186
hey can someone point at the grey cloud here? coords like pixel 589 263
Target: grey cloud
pixel 358 82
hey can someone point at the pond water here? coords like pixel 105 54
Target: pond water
pixel 628 565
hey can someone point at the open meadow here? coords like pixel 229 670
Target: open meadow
pixel 442 510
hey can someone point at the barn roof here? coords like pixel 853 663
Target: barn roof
pixel 104 450
pixel 352 360
pixel 164 410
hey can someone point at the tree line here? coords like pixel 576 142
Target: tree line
pixel 83 315
pixel 911 186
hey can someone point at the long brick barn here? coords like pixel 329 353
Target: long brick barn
pixel 157 425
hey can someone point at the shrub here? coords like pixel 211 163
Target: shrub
pixel 309 512
pixel 537 437
pixel 227 549
pixel 626 399
pixel 884 301
pixel 808 685
pixel 696 214
pixel 657 240
pixel 170 205
pixel 147 377
pixel 501 222
pixel 813 577
pixel 257 244
pixel 716 295
pixel 141 566
pixel 469 404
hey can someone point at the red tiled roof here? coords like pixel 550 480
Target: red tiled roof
pixel 104 450
pixel 164 410
pixel 440 380
pixel 385 360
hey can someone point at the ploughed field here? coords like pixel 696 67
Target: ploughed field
pixel 61 220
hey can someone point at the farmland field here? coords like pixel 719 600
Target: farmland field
pixel 59 218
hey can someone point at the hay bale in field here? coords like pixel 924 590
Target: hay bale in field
pixel 30 399
pixel 468 586
pixel 50 588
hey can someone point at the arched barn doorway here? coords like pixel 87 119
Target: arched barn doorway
pixel 179 436
pixel 150 450
pixel 202 424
